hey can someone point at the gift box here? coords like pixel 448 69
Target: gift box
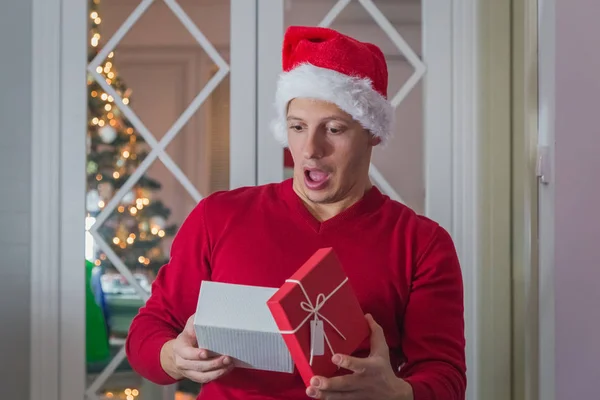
pixel 234 320
pixel 319 315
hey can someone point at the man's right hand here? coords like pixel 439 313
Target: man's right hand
pixel 181 358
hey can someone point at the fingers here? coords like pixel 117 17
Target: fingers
pixel 188 352
pixel 208 376
pixel 341 387
pixel 184 352
pixel 378 343
pixel 214 364
pixel 345 383
pixel 354 364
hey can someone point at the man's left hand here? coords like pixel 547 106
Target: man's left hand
pixel 372 377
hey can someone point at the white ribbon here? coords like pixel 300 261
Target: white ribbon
pixel 313 310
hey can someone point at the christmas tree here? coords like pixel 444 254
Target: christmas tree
pixel 137 228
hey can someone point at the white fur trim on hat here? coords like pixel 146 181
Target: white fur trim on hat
pixel 351 94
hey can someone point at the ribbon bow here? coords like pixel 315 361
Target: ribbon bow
pixel 313 310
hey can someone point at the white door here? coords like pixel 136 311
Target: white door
pixel 202 76
pixel 160 137
pixel 415 167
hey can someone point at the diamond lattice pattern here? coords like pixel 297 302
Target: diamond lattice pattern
pixel 157 148
pixel 405 50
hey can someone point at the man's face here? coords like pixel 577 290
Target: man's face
pixel 331 151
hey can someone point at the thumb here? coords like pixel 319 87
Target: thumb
pixel 189 333
pixel 378 343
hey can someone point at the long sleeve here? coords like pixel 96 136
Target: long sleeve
pixel 173 299
pixel 433 339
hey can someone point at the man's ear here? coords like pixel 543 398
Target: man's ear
pixel 374 140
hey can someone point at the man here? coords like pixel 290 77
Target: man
pixel 333 110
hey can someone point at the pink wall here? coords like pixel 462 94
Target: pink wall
pixel 577 200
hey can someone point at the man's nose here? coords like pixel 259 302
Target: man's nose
pixel 314 147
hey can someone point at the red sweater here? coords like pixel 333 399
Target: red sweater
pixel 403 267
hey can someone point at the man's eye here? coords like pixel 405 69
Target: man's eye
pixel 296 128
pixel 335 131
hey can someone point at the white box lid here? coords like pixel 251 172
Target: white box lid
pixel 233 306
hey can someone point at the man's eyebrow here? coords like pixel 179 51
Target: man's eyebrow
pixel 328 118
pixel 337 118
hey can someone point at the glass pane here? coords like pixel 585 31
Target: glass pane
pixel 139 194
pixel 400 163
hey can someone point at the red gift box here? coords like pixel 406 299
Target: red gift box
pixel 318 314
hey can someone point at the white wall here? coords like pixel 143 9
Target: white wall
pixel 576 199
pixel 15 194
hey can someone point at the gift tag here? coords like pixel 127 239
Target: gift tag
pixel 317 337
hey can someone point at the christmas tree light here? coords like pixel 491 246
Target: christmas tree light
pixel 136 229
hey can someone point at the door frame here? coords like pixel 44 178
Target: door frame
pixel 57 203
pixel 530 361
pixel 478 218
pixel 546 215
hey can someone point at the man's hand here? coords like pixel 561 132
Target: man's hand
pixel 373 377
pixel 181 358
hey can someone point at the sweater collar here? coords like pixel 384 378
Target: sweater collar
pixel 370 202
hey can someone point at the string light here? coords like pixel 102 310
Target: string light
pixel 133 394
pixel 113 155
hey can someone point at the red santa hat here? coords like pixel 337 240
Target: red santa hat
pixel 323 64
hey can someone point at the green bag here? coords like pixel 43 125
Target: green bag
pixel 96 343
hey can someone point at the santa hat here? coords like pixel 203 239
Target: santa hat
pixel 323 64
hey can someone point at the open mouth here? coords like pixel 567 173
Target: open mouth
pixel 315 177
